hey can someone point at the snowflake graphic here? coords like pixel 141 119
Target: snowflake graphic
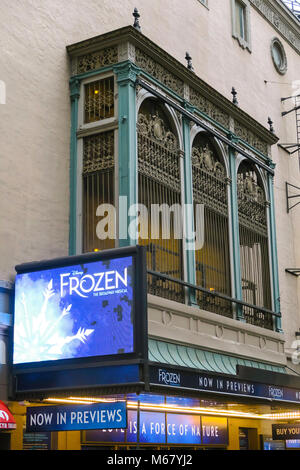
pixel 42 330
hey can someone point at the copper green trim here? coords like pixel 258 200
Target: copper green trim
pixel 235 234
pixel 177 97
pixel 200 359
pixel 274 256
pixel 92 73
pixel 203 115
pixel 126 73
pixel 189 213
pixel 74 95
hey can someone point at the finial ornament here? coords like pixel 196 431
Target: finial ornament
pixel 136 16
pixel 234 98
pixel 189 61
pixel 270 122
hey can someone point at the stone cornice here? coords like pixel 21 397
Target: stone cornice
pixel 282 20
pixel 177 69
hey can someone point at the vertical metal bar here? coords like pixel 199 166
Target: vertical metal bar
pixel 274 257
pixel 235 233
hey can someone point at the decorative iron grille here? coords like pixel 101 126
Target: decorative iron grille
pixel 98 186
pixel 254 252
pixel 159 183
pixel 212 259
pixel 99 100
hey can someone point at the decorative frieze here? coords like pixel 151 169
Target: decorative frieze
pixel 159 72
pixel 209 108
pixel 124 52
pixel 278 21
pixel 245 134
pixel 96 60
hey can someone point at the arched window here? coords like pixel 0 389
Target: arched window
pixel 254 252
pixel 212 258
pixel 159 190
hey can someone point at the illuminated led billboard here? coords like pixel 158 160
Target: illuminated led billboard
pixel 73 311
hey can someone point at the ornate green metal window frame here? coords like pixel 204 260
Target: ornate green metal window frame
pixel 131 76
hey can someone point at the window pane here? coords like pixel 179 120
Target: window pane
pixel 212 259
pixel 254 249
pixel 277 55
pixel 99 100
pixel 159 183
pixel 240 19
pixel 98 189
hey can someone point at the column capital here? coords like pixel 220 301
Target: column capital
pixel 189 108
pixel 126 73
pixel 232 137
pixel 271 164
pixel 74 84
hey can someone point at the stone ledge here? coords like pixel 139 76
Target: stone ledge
pixel 182 324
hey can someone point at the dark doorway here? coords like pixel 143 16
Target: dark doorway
pixel 4 441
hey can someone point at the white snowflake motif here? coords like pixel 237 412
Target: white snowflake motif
pixel 40 338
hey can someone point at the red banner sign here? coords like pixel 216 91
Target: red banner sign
pixel 6 418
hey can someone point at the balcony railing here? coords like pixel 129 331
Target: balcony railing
pixel 158 284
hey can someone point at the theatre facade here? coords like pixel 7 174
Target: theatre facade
pixel 111 386
pixel 163 326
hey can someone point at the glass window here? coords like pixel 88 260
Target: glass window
pixel 97 224
pixel 99 100
pixel 254 248
pixel 278 56
pixel 159 186
pixel 241 22
pixel 240 19
pixel 98 189
pixel 212 258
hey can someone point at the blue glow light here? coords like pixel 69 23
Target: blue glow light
pixel 74 311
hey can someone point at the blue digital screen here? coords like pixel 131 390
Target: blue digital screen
pixel 166 428
pixel 293 444
pixel 183 401
pixel 183 429
pixel 74 311
pixel 147 398
pixel 132 428
pixel 105 435
pixel 152 427
pixel 214 430
pixel 274 445
pixel 116 435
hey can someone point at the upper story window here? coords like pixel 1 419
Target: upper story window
pixel 212 258
pixel 278 56
pixel 97 127
pixel 99 100
pixel 254 244
pixel 240 19
pixel 241 22
pixel 159 187
pixel 98 191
